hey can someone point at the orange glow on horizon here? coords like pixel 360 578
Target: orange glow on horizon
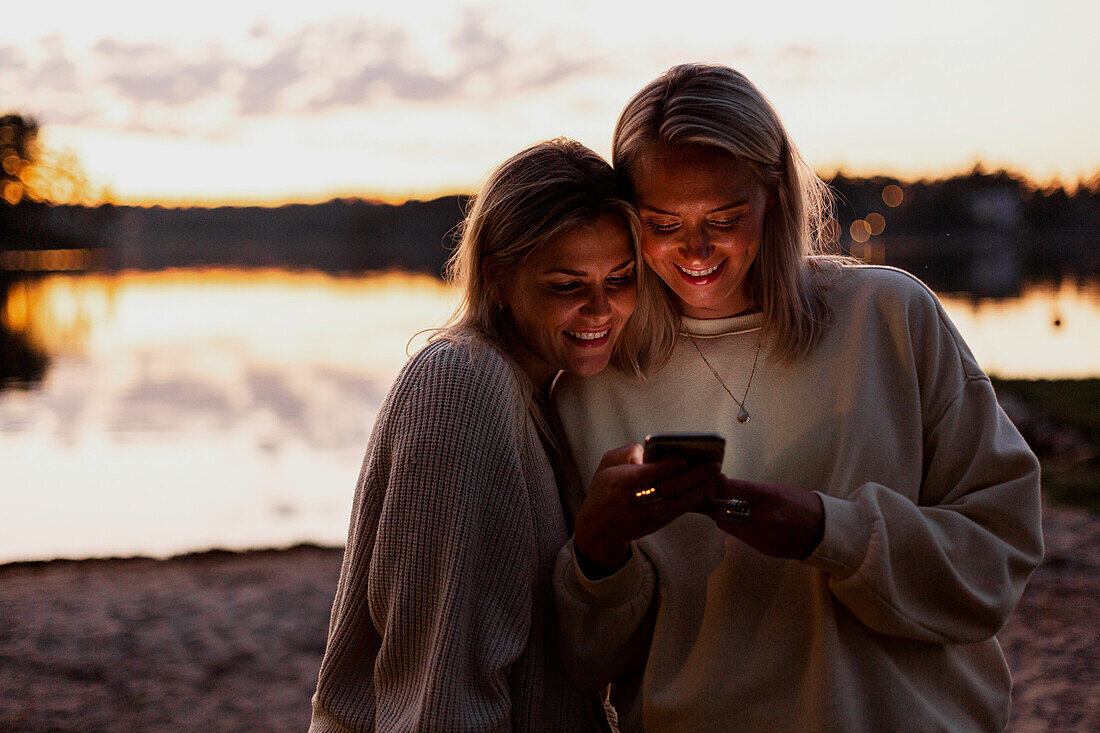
pixel 428 194
pixel 46 260
pixel 290 199
pixel 75 313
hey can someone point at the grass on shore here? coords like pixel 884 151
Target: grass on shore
pixel 1066 403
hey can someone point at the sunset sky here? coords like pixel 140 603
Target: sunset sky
pixel 211 102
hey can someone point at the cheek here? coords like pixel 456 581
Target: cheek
pixel 554 314
pixel 533 314
pixel 623 302
pixel 654 253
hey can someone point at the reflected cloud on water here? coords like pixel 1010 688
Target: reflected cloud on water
pixel 211 410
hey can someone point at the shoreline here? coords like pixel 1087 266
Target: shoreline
pixel 213 553
pixel 233 640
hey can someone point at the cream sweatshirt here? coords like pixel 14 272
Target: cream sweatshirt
pixel 932 528
pixel 443 617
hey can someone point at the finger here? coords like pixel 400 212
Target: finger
pixel 691 489
pixel 729 516
pixel 647 474
pixel 622 455
pixel 691 497
pixel 684 481
pixel 656 516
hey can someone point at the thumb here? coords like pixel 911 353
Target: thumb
pixel 629 453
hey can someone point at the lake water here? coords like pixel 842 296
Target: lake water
pixel 182 411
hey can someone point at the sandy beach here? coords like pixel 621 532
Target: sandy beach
pixel 232 641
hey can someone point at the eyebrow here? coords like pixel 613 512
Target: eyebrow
pixel 731 205
pixel 579 273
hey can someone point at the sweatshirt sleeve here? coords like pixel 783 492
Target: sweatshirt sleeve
pixel 597 619
pixel 949 565
pixel 435 597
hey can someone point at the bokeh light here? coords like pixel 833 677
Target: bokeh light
pixel 860 230
pixel 892 196
pixel 12 164
pixel 876 222
pixel 12 192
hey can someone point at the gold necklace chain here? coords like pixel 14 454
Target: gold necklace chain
pixel 743 414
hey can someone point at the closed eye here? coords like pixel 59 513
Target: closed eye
pixel 725 223
pixel 655 226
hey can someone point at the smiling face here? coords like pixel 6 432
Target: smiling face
pixel 567 303
pixel 702 215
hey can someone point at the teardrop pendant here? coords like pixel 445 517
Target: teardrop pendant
pixel 743 416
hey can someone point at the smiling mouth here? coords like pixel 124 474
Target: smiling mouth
pixel 702 276
pixel 589 335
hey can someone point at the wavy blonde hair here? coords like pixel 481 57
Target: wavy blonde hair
pixel 715 106
pixel 542 192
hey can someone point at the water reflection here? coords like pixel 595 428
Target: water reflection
pixel 190 410
pixel 1049 332
pixel 21 364
pixel 187 410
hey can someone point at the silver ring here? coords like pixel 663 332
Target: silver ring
pixel 648 496
pixel 736 510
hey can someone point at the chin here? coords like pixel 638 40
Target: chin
pixel 714 301
pixel 589 367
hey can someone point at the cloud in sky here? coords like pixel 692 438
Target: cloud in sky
pixel 423 95
pixel 259 94
pixel 324 66
pixel 11 59
pixel 57 72
pixel 149 73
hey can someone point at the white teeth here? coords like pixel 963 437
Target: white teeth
pixel 700 273
pixel 591 336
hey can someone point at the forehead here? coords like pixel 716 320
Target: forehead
pixel 601 244
pixel 666 175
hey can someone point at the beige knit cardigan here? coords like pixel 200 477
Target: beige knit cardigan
pixel 443 618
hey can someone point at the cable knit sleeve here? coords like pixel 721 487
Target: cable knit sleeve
pixel 597 619
pixel 435 596
pixel 949 563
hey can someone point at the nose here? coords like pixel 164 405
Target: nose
pixel 597 304
pixel 697 244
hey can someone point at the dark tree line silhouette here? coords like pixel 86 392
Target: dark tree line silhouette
pixel 1050 232
pixel 21 364
pixel 1053 231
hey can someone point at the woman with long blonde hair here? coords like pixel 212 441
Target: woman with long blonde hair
pixel 443 617
pixel 878 515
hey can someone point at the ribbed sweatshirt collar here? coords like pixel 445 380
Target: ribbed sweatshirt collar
pixel 714 327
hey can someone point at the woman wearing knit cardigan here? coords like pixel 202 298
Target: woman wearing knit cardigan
pixel 443 618
pixel 882 514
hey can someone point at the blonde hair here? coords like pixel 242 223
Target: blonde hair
pixel 715 106
pixel 542 192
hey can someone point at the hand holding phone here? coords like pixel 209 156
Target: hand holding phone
pixel 694 448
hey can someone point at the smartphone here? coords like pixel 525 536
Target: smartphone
pixel 694 448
